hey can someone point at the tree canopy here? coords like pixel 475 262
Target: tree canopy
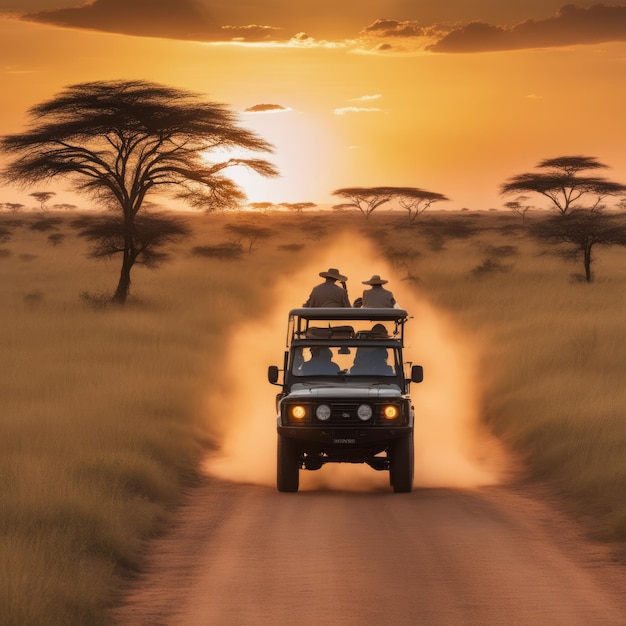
pixel 42 197
pixel 298 207
pixel 560 181
pixel 122 140
pixel 416 200
pixel 520 206
pixel 368 199
pixel 365 199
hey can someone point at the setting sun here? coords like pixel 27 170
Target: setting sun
pixel 368 102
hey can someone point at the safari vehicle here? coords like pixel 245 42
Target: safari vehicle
pixel 345 394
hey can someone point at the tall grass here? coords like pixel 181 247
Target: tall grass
pixel 102 411
pixel 554 358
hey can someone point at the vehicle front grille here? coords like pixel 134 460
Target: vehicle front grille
pixel 344 413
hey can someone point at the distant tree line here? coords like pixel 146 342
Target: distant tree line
pixel 123 142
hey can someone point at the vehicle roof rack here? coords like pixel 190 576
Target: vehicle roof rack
pixel 300 319
pixel 349 313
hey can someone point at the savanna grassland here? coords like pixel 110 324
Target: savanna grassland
pixel 103 414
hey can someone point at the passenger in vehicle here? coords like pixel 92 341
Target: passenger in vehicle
pixel 371 361
pixel 320 363
pixel 378 362
pixel 328 293
pixel 359 365
pixel 379 332
pixel 377 297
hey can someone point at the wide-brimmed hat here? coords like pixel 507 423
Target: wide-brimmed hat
pixel 375 280
pixel 333 273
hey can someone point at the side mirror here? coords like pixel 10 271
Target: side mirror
pixel 272 374
pixel 417 374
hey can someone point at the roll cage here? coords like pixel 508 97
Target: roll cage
pixel 346 324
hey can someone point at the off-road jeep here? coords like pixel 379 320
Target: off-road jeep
pixel 344 396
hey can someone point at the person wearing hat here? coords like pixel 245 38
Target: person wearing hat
pixel 321 362
pixel 329 294
pixel 377 297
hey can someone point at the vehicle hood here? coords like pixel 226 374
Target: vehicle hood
pixel 307 392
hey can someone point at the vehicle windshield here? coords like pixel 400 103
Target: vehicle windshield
pixel 353 361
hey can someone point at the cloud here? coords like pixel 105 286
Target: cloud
pixel 394 28
pixel 304 40
pixel 266 108
pixel 179 19
pixel 251 32
pixel 571 25
pixel 12 69
pixel 366 98
pixel 344 110
pixel 385 35
pixel 171 19
pixel 203 20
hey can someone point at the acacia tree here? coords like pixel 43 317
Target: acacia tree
pixel 14 207
pixel 416 200
pixel 583 230
pixel 368 199
pixel 298 207
pixel 123 140
pixel 365 199
pixel 251 232
pixel 42 197
pixel 262 207
pixel 519 206
pixel 560 181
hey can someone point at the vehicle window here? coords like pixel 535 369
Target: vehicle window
pixel 357 361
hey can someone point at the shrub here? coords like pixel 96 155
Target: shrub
pixel 489 265
pixel 56 238
pixel 5 234
pixel 500 252
pixel 46 223
pixel 229 251
pixel 291 247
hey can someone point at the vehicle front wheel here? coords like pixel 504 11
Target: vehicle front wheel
pixel 401 468
pixel 287 465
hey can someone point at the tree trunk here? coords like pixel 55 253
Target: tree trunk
pixel 587 258
pixel 123 286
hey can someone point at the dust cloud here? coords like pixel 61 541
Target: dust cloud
pixel 452 449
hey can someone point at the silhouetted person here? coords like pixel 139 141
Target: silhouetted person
pixel 379 332
pixel 378 362
pixel 371 361
pixel 320 362
pixel 377 297
pixel 329 294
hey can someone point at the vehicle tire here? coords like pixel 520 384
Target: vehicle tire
pixel 401 470
pixel 287 465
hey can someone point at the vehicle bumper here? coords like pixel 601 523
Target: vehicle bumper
pixel 341 437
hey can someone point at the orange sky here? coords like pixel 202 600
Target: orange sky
pixel 360 102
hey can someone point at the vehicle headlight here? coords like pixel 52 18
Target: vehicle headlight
pixel 297 411
pixel 391 411
pixel 322 412
pixel 364 412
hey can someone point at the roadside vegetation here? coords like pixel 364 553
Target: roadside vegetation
pixel 103 416
pixel 553 351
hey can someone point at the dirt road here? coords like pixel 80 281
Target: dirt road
pixel 247 555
